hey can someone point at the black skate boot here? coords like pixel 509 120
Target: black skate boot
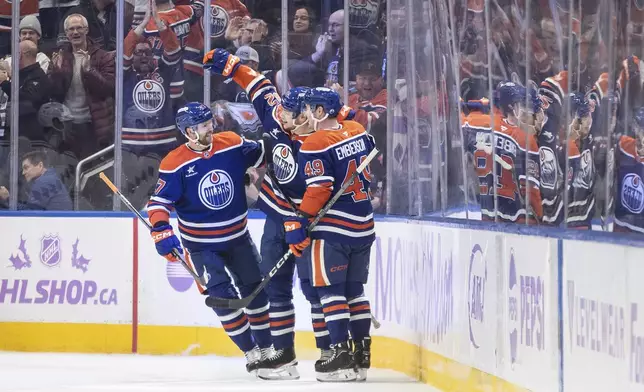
pixel 253 360
pixel 340 367
pixel 362 357
pixel 324 355
pixel 280 366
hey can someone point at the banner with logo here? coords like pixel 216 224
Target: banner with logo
pixel 528 345
pixel 602 314
pixel 66 270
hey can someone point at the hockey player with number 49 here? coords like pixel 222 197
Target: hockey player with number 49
pixel 203 181
pixel 340 244
pixel 286 129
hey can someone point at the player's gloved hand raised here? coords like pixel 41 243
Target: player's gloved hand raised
pixel 296 234
pixel 165 241
pixel 221 62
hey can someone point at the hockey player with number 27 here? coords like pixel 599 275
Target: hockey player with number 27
pixel 340 244
pixel 286 128
pixel 203 181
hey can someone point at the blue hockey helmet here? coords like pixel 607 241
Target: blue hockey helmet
pixel 191 115
pixel 325 97
pixel 508 94
pixel 293 100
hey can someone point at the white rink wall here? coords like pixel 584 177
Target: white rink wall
pixel 486 308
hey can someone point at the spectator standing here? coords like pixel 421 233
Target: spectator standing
pixel 33 91
pixel 101 21
pixel 31 30
pixel 45 190
pixel 82 78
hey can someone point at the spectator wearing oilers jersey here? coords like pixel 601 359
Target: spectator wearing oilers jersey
pixel 203 181
pixel 82 78
pixel 340 244
pixel 184 20
pixel 152 93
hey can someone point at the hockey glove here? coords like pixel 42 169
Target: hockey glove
pixel 221 62
pixel 165 242
pixel 296 234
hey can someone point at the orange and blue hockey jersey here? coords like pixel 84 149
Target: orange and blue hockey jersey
pixel 327 160
pixel 283 150
pixel 629 195
pixel 514 179
pixel 183 20
pixel 207 191
pixel 150 100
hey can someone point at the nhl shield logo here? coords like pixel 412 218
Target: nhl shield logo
pixel 50 253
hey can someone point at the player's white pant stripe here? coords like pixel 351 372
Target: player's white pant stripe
pixel 281 314
pixel 336 317
pixel 216 224
pixel 321 333
pixel 231 316
pixel 260 326
pixel 360 317
pixel 258 310
pixel 359 299
pixel 328 300
pixel 282 331
pixel 333 229
pixel 239 331
pixel 214 240
pixel 319 258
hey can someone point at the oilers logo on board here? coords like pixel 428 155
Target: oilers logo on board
pixel 218 21
pixel 148 96
pixel 548 165
pixel 216 190
pixel 633 193
pixel 284 163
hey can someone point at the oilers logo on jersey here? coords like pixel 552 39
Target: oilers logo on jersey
pixel 633 193
pixel 216 190
pixel 584 176
pixel 218 21
pixel 148 96
pixel 284 164
pixel 548 164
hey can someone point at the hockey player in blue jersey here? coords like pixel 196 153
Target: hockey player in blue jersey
pixel 282 190
pixel 203 181
pixel 340 244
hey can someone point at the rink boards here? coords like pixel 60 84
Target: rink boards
pixel 464 308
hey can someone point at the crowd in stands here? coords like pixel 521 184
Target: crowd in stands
pixel 440 52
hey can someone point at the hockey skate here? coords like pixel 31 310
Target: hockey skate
pixel 324 355
pixel 340 367
pixel 362 358
pixel 280 366
pixel 253 360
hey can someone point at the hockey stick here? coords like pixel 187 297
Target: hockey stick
pixel 270 174
pixel 129 205
pixel 239 303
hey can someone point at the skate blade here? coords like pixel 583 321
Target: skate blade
pixel 343 375
pixel 361 375
pixel 285 372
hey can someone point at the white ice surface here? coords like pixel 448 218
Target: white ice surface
pixel 44 372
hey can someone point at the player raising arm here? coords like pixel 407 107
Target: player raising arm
pixel 340 244
pixel 203 181
pixel 286 128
